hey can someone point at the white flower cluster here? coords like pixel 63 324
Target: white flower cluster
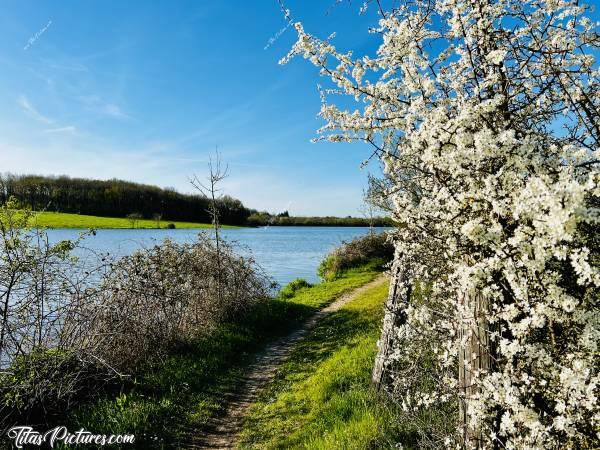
pixel 490 142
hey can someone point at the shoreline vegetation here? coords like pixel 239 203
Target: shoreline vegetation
pixel 65 202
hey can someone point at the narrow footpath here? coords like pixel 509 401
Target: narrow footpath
pixel 222 432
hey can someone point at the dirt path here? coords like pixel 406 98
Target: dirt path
pixel 222 432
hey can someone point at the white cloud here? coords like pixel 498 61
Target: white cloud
pixel 96 104
pixel 113 110
pixel 68 129
pixel 30 109
pixel 257 187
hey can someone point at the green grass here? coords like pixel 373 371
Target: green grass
pixel 65 220
pixel 322 398
pixel 180 394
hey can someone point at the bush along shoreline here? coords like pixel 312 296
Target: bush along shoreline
pixel 72 327
pixel 143 344
pixel 375 249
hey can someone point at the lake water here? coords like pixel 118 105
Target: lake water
pixel 285 253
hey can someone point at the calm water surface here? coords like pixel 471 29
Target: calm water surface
pixel 285 253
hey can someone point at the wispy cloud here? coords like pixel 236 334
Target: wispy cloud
pixel 32 111
pixel 68 129
pixel 64 64
pixel 113 110
pixel 26 105
pixel 96 104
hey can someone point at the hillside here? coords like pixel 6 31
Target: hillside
pixel 115 198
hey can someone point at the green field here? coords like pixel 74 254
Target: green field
pixel 65 220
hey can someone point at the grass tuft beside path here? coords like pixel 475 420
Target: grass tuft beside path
pixel 66 220
pixel 322 397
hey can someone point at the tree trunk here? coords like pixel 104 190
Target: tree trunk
pixel 473 357
pixel 398 296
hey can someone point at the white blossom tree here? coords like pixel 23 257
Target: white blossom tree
pixel 486 116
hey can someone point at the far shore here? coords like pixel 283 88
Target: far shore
pixel 47 219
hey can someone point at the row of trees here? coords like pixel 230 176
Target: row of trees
pixel 264 219
pixel 116 198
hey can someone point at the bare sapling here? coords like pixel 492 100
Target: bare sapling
pixel 211 189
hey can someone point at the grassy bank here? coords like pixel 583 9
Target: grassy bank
pixel 165 403
pixel 322 397
pixel 65 220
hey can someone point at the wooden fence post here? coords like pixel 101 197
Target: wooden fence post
pixel 473 357
pixel 399 294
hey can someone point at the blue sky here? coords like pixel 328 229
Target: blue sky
pixel 144 91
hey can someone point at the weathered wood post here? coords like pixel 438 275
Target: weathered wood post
pixel 399 294
pixel 473 357
pixel 473 330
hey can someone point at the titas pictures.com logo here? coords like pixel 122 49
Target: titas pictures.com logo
pixel 26 436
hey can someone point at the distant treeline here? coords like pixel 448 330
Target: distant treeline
pixel 118 198
pixel 115 198
pixel 263 219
